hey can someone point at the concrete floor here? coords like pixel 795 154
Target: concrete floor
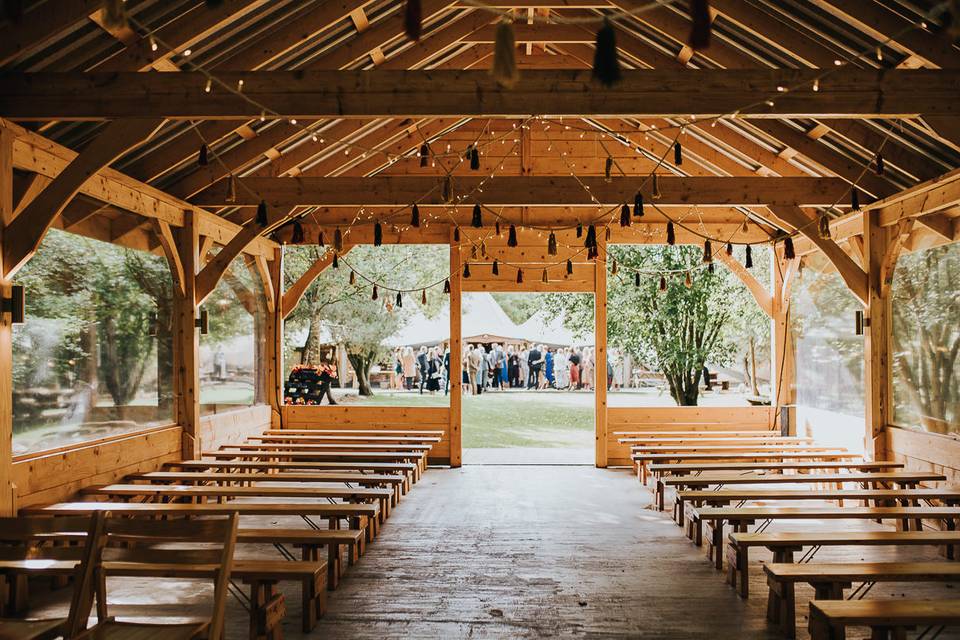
pixel 510 551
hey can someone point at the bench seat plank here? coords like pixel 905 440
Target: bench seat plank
pixel 407 432
pixel 369 479
pixel 828 618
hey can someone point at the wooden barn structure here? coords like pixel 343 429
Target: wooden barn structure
pixel 212 136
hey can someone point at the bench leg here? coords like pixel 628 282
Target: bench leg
pixel 314 594
pixel 781 603
pixel 661 489
pixel 267 609
pixel 738 563
pixel 821 629
pixel 333 566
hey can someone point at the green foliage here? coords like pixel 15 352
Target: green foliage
pixel 520 307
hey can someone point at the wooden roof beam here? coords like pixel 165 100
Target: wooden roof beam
pixel 529 190
pixel 311 94
pixel 41 25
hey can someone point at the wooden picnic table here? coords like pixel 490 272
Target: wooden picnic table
pixel 742 517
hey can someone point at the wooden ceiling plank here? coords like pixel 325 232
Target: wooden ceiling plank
pixel 41 25
pixel 23 236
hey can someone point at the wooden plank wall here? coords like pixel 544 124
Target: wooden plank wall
pixel 360 417
pixel 233 426
pixel 679 419
pixel 925 452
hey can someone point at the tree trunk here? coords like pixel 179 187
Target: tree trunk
pixel 361 366
pixel 311 348
pixel 753 368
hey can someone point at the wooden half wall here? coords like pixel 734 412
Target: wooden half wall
pixel 922 451
pixel 680 419
pixel 360 417
pixel 55 475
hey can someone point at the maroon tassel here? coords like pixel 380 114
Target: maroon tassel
pixel 519 276
pixel 496 268
pixel 466 269
pixel 624 216
pixel 700 31
pixel 788 252
pixel 413 19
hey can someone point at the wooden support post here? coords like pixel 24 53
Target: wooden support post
pixel 876 343
pixel 456 358
pixel 187 338
pixel 7 489
pixel 783 363
pixel 274 337
pixel 600 349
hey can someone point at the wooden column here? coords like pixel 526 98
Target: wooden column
pixel 7 489
pixel 456 356
pixel 878 391
pixel 600 349
pixel 187 338
pixel 783 367
pixel 273 367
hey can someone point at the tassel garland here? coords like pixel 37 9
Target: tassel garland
pixel 336 261
pixel 607 169
pixel 504 69
pixel 456 234
pixel 413 19
pixel 262 214
pixel 655 192
pixel 614 268
pixel 320 239
pixel 606 64
pixel 497 227
pixel 512 237
pixel 591 240
pixel 544 277
pixel 579 229
pixel 477 220
pixel 474 154
pixel 700 31
pixel 353 277
pixel 608 233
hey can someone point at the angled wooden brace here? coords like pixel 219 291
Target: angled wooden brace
pixel 263 270
pixel 760 293
pixel 169 245
pixel 25 232
pixel 899 234
pixel 293 295
pixel 853 276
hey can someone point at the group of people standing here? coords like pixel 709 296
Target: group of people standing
pixel 486 367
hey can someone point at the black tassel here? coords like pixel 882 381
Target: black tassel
pixel 202 159
pixel 413 19
pixel 262 214
pixel 320 241
pixel 624 216
pixel 297 236
pixel 543 278
pixel 700 31
pixel 663 283
pixel 677 153
pixel 710 268
pixel 552 244
pixel 446 286
pixel 671 234
pixel 519 276
pixel 399 300
pixel 456 234
pixel 638 205
pixel 879 164
pixel 424 155
pixel 707 252
pixel 748 262
pixel 608 233
pixel 477 220
pixel 607 169
pixel 788 252
pixel 415 216
pixel 336 261
pixel 606 64
pixel 466 269
pixel 474 158
pixel 375 294
pixel 854 199
pixel 579 229
pixel 636 279
pixel 569 267
pixel 353 277
pixel 337 240
pixel 823 226
pixel 496 268
pixel 512 237
pixel 729 249
pixel 377 234
pixel 591 240
pixel 497 227
pixel 504 69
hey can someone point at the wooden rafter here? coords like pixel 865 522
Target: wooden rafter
pixel 305 94
pixel 23 235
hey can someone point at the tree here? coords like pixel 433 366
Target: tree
pixel 926 336
pixel 349 313
pixel 677 330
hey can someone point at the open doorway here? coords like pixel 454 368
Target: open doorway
pixel 528 379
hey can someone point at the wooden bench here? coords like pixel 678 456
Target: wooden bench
pixel 345 438
pixel 692 472
pixel 374 432
pixel 418 452
pixel 407 469
pixel 712 440
pixel 201 493
pixel 228 453
pixel 887 619
pixel 785 543
pixel 889 497
pixel 745 516
pixel 830 579
pixel 875 480
pixel 646 461
pixel 704 429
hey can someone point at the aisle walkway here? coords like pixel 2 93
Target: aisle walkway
pixel 534 551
